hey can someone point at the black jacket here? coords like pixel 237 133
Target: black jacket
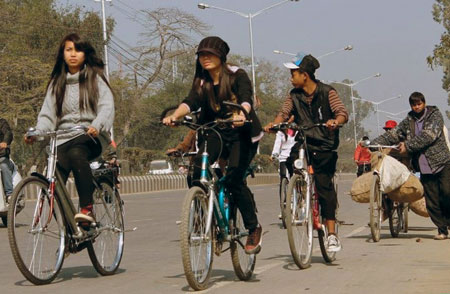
pixel 242 89
pixel 319 111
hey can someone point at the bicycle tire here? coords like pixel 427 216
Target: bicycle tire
pixel 396 220
pixel 283 191
pixel 298 225
pixel 376 212
pixel 106 250
pixel 194 214
pixel 37 244
pixel 405 218
pixel 322 235
pixel 243 263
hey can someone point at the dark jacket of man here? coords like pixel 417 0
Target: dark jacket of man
pixel 431 141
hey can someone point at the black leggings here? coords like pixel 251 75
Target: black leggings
pixel 74 156
pixel 239 154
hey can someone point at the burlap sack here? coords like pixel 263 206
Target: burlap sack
pixel 360 191
pixel 410 191
pixel 419 207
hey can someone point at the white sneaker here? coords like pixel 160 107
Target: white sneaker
pixel 279 216
pixel 334 244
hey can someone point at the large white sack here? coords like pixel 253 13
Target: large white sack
pixel 393 174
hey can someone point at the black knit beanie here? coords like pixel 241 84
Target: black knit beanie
pixel 214 45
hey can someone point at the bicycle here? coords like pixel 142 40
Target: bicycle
pixel 380 205
pixel 284 183
pixel 302 206
pixel 45 231
pixel 209 218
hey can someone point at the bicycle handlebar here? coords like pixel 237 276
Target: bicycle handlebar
pixel 32 132
pixel 295 127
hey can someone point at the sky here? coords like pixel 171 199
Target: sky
pixel 389 37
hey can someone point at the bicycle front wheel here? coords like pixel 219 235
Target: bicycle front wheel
pixel 36 231
pixel 196 244
pixel 328 256
pixel 376 209
pixel 283 191
pixel 243 263
pixel 299 222
pixel 106 250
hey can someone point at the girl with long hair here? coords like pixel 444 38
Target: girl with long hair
pixel 214 82
pixel 78 93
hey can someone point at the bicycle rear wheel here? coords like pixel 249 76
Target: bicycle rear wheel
pixel 396 219
pixel 36 231
pixel 405 217
pixel 376 209
pixel 299 222
pixel 106 250
pixel 283 191
pixel 243 263
pixel 197 247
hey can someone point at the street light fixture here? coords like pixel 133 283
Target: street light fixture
pixel 249 16
pixel 376 107
pixel 346 48
pixel 377 75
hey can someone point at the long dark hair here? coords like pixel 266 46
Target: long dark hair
pixel 204 85
pixel 93 67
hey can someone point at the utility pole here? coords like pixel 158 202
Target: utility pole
pixel 105 46
pixel 105 38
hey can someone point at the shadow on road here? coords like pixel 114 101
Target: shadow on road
pixel 77 272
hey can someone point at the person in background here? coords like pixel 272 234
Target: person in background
pixel 389 125
pixel 362 158
pixel 6 166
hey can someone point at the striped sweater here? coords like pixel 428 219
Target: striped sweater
pixel 336 105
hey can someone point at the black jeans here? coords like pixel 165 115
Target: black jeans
pixel 284 168
pixel 324 165
pixel 437 197
pixel 74 156
pixel 239 154
pixel 363 168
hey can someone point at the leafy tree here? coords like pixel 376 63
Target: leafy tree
pixel 441 52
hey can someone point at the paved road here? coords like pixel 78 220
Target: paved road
pixel 413 263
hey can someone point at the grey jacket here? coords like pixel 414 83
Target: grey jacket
pixel 431 141
pixel 71 114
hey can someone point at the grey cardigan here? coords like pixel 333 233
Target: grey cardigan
pixel 71 114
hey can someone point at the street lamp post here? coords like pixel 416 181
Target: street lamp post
pixel 376 107
pixel 346 48
pixel 352 98
pixel 249 16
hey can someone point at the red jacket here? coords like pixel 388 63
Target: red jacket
pixel 362 154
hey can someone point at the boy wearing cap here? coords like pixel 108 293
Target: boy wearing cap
pixel 421 135
pixel 311 101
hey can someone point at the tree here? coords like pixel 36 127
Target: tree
pixel 30 33
pixel 441 52
pixel 169 33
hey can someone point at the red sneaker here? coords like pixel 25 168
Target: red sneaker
pixel 85 215
pixel 254 241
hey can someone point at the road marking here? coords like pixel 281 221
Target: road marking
pixel 140 220
pixel 356 231
pixel 257 271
